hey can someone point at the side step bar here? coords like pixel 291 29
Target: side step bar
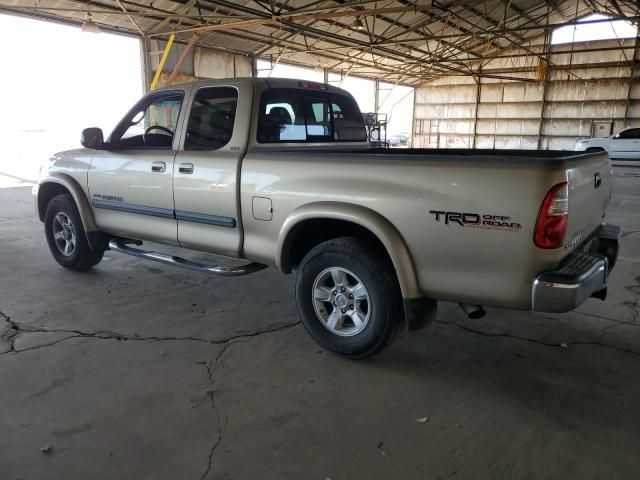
pixel 119 245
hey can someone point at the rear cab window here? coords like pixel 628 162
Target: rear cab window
pixel 301 115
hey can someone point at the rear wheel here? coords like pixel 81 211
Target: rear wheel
pixel 348 297
pixel 66 236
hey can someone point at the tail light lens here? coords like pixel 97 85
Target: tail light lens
pixel 551 225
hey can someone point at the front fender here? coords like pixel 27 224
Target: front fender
pixel 378 225
pixel 76 191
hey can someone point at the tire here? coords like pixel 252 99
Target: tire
pixel 371 297
pixel 66 236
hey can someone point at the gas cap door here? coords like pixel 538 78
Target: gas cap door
pixel 262 209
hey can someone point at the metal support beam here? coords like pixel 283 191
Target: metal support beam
pixel 545 81
pixel 183 57
pixel 301 16
pixel 635 57
pixel 413 119
pixel 145 63
pixel 165 54
pixel 475 114
pixel 254 66
pixel 131 19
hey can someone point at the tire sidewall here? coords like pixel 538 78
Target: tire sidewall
pixel 381 317
pixel 79 259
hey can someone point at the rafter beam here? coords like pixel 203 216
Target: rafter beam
pixel 130 17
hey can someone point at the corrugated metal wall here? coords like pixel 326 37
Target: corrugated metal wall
pixel 579 89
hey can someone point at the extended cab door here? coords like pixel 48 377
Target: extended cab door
pixel 130 183
pixel 626 144
pixel 206 176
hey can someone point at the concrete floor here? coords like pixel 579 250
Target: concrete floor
pixel 140 371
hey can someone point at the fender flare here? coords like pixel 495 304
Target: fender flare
pixel 378 225
pixel 79 197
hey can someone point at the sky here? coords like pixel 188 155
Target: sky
pixel 57 80
pixel 64 79
pixel 594 31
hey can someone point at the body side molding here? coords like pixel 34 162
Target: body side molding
pixel 182 215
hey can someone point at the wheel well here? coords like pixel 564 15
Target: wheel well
pixel 310 233
pixel 594 149
pixel 46 192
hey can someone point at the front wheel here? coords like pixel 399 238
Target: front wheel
pixel 348 297
pixel 66 236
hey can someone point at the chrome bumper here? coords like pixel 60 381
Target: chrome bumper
pixel 581 275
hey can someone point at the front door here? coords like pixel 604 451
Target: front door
pixel 206 174
pixel 131 182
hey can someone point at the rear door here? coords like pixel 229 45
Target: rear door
pixel 626 144
pixel 206 172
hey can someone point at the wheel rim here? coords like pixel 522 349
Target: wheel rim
pixel 341 301
pixel 64 235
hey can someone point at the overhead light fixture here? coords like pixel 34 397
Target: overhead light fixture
pixel 88 25
pixel 357 24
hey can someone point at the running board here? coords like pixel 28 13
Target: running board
pixel 119 245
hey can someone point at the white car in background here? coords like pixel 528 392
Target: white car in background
pixel 624 144
pixel 399 140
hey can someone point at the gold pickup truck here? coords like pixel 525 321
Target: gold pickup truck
pixel 278 172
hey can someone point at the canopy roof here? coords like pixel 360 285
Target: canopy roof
pixel 406 41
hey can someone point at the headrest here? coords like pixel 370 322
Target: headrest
pixel 280 115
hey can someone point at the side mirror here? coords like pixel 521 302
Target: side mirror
pixel 617 135
pixel 92 138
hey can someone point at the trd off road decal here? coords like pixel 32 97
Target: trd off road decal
pixel 476 220
pixel 110 198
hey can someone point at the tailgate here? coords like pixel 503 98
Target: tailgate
pixel 589 178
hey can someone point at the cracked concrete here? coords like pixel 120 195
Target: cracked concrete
pixel 598 343
pixel 137 370
pixel 220 423
pixel 16 331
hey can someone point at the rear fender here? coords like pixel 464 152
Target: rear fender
pixel 364 217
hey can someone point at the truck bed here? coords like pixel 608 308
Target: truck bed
pixel 492 265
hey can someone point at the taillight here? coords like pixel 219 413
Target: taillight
pixel 551 225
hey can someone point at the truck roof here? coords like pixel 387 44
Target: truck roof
pixel 263 82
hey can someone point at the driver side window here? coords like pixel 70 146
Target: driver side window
pixel 152 125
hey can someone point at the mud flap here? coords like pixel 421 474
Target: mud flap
pixel 419 312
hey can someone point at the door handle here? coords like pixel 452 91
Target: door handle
pixel 185 168
pixel 158 167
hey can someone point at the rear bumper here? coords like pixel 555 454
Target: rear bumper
pixel 581 275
